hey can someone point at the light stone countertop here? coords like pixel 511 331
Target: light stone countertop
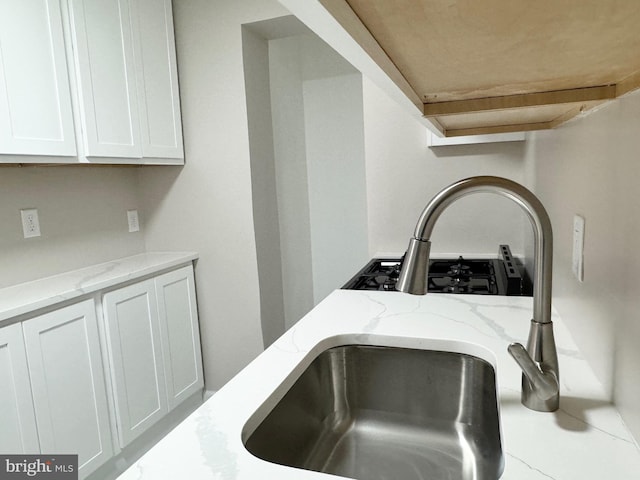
pixel 585 439
pixel 30 296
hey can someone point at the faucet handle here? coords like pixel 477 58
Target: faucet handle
pixel 543 385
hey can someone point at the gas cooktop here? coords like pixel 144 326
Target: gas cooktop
pixel 459 275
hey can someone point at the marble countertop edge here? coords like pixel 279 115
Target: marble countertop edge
pixel 29 296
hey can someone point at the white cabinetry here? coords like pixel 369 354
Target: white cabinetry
pixel 178 315
pixel 157 79
pixel 89 377
pixel 135 354
pixel 67 381
pixel 35 102
pixel 18 432
pixel 103 48
pixel 115 79
pixel 154 349
pixel 127 79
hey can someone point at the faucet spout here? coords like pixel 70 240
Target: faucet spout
pixel 540 366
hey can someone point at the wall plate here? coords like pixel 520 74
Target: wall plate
pixel 30 222
pixel 577 263
pixel 133 221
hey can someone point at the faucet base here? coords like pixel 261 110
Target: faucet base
pixel 541 346
pixel 532 402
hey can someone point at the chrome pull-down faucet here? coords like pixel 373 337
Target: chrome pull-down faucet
pixel 539 362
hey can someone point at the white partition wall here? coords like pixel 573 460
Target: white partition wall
pixel 318 155
pixel 336 179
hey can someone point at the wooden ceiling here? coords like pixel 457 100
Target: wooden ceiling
pixel 492 66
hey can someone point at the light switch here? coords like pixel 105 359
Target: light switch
pixel 578 247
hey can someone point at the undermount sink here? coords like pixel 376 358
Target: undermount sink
pixel 371 412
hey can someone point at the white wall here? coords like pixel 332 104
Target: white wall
pixel 403 174
pixel 83 219
pixel 316 99
pixel 287 106
pixel 590 167
pixel 263 182
pixel 337 189
pixel 206 206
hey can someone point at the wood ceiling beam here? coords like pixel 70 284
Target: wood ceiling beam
pixel 521 127
pixel 346 17
pixel 509 102
pixel 628 84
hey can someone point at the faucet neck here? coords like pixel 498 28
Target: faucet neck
pixel 542 232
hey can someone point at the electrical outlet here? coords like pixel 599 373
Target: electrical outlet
pixel 578 248
pixel 132 219
pixel 30 222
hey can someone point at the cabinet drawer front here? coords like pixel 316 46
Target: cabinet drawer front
pixel 63 350
pixel 136 358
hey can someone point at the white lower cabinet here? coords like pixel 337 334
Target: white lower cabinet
pixel 178 315
pixel 53 379
pixel 68 385
pixel 18 433
pixel 154 349
pixel 133 337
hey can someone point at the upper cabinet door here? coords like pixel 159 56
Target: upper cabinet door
pixel 35 102
pixel 105 68
pixel 157 79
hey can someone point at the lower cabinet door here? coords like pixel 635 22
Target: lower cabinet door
pixel 67 380
pixel 135 352
pixel 18 434
pixel 180 334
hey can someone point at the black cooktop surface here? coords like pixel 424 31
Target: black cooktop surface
pixel 455 275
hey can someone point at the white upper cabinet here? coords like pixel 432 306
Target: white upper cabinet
pixel 157 79
pixel 35 102
pixel 105 69
pixel 127 79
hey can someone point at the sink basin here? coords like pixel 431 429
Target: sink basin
pixel 371 412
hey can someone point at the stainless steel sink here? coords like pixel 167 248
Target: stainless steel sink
pixel 369 412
